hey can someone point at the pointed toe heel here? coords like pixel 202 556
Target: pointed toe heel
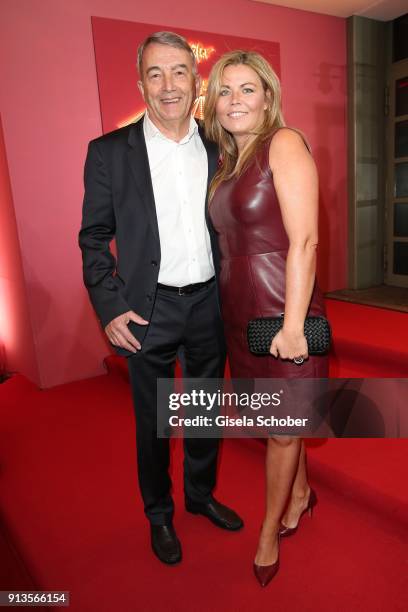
pixel 265 573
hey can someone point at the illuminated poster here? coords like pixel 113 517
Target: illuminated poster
pixel 116 44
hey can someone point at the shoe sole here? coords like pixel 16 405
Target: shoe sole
pixel 166 561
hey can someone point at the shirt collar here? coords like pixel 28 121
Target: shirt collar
pixel 151 131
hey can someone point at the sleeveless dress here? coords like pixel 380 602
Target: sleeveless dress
pixel 253 246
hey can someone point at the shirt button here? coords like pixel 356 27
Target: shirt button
pixel 154 263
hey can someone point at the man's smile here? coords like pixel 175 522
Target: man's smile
pixel 170 100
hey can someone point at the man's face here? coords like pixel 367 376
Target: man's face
pixel 168 85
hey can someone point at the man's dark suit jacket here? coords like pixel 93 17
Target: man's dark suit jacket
pixel 119 203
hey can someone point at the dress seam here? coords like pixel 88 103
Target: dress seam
pixel 246 255
pixel 253 286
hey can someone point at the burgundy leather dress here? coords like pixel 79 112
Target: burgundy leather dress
pixel 253 245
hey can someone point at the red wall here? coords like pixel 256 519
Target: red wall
pixel 17 351
pixel 50 108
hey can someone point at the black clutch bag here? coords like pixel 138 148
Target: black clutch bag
pixel 260 333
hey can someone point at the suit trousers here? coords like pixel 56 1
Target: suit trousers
pixel 188 327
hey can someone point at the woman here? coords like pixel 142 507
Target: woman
pixel 263 204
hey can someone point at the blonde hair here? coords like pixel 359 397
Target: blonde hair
pixel 232 162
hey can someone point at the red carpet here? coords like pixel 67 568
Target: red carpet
pixel 367 341
pixel 71 510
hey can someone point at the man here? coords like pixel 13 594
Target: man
pixel 146 185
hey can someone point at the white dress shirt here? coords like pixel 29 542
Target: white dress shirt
pixel 179 173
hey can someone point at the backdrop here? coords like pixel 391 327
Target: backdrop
pixel 116 44
pixel 49 102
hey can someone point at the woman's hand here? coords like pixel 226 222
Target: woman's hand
pixel 289 345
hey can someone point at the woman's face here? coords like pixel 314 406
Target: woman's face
pixel 242 101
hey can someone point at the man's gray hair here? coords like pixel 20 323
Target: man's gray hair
pixel 165 38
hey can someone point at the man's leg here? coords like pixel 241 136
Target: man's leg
pixel 203 356
pixel 155 360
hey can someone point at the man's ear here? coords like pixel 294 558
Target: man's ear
pixel 141 88
pixel 198 82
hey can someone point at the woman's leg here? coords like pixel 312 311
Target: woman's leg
pixel 300 492
pixel 282 463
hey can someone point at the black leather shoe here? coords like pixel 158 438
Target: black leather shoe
pixel 165 543
pixel 220 515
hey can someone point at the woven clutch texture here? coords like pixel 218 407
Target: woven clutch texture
pixel 261 331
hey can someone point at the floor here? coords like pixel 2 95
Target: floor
pixel 383 296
